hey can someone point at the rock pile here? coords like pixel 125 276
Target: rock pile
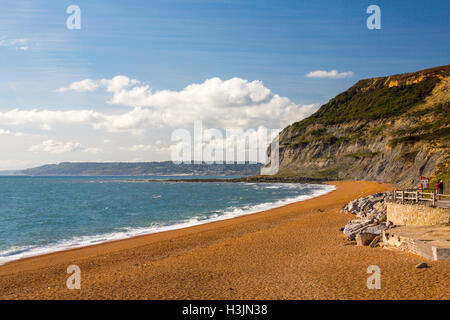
pixel 371 212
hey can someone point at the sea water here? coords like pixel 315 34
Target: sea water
pixel 45 214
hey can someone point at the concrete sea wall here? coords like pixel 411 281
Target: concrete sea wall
pixel 416 214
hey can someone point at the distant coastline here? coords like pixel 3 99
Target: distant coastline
pixel 164 168
pixel 7 172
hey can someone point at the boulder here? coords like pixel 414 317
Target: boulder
pixel 374 242
pixel 379 206
pixel 366 205
pixel 351 229
pixel 376 229
pixel 364 239
pixel 372 215
pixel 381 216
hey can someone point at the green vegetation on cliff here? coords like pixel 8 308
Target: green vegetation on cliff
pixel 376 103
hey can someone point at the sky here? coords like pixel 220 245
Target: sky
pixel 135 71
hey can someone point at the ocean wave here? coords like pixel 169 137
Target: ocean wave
pixel 16 253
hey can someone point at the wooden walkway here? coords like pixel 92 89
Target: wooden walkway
pixel 443 204
pixel 437 200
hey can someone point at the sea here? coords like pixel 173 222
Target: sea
pixel 39 215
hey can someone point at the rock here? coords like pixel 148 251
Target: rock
pixel 378 199
pixel 351 229
pixel 352 206
pixel 381 216
pixel 374 242
pixel 422 265
pixel 376 229
pixel 356 226
pixel 368 221
pixel 364 239
pixel 367 205
pixel 378 206
pixel 360 214
pixel 372 214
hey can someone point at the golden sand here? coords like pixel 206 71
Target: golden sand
pixel 292 252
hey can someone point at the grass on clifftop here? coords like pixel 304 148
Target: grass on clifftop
pixel 370 100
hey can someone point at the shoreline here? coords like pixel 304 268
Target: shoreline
pixel 290 252
pixel 144 231
pixel 249 179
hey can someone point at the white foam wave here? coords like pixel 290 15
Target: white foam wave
pixel 16 253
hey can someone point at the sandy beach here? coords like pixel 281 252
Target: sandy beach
pixel 291 252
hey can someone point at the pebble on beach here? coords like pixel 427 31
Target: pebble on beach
pixel 422 265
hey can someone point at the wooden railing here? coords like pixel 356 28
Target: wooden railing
pixel 443 196
pixel 419 196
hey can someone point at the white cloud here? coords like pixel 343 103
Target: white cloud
pixel 8 132
pixel 44 119
pixel 17 164
pixel 93 150
pixel 118 83
pixel 141 147
pixel 19 41
pixel 18 44
pixel 333 74
pixel 148 147
pixel 232 93
pixel 235 102
pixel 52 146
pixel 81 86
pixel 88 85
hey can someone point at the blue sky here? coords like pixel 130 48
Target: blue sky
pixel 169 45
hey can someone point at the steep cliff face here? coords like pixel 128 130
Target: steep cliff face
pixel 392 129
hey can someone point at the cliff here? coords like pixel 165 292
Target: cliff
pixel 391 129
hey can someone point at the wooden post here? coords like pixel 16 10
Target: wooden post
pixel 433 199
pixel 417 196
pixel 403 196
pixel 395 195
